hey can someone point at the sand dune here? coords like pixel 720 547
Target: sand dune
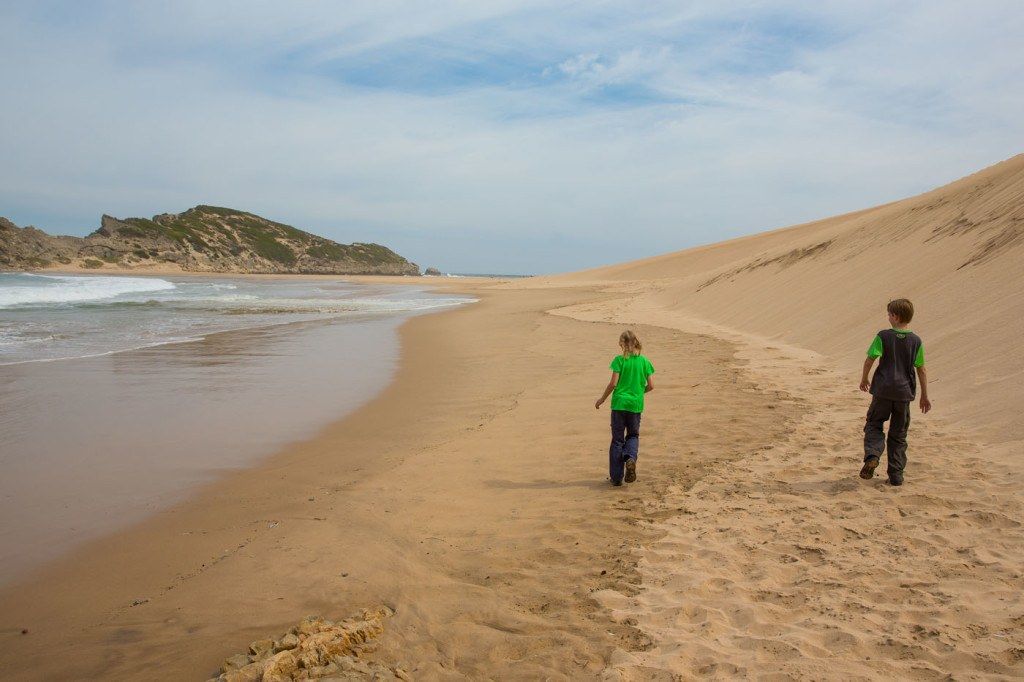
pixel 955 251
pixel 781 561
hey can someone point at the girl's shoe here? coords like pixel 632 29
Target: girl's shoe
pixel 630 470
pixel 868 470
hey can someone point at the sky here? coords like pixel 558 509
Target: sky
pixel 501 137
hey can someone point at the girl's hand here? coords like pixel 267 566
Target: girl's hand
pixel 597 405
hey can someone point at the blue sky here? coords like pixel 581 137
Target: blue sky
pixel 512 137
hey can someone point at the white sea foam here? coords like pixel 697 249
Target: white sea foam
pixel 361 305
pixel 55 317
pixel 227 298
pixel 407 304
pixel 59 289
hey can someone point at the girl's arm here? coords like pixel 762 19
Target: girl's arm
pixel 607 390
pixel 650 385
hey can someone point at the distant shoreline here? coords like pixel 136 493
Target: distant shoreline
pixel 443 281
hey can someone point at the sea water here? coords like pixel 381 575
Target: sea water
pixel 119 395
pixel 55 317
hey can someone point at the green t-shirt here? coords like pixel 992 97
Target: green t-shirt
pixel 629 391
pixel 875 349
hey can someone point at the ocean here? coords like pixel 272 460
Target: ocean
pixel 56 317
pixel 120 394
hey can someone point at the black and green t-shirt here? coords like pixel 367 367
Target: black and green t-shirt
pixel 900 352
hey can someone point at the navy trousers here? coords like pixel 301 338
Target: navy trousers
pixel 625 442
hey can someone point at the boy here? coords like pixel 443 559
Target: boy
pixel 892 390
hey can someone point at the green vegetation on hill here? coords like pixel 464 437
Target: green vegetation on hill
pixel 229 233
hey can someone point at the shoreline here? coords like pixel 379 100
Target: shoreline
pixel 114 457
pixel 463 526
pixel 441 281
pixel 135 464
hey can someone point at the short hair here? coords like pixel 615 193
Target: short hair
pixel 902 308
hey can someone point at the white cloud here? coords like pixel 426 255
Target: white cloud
pixel 580 64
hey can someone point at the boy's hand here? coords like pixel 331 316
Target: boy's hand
pixel 926 405
pixel 865 385
pixel 597 405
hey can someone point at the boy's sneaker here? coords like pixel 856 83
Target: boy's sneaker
pixel 630 470
pixel 616 483
pixel 896 479
pixel 868 470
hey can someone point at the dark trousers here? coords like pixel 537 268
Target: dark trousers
pixel 897 413
pixel 625 441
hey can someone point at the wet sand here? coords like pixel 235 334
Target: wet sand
pixel 94 444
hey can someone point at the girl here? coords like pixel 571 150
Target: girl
pixel 631 379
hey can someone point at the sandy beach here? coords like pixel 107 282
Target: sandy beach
pixel 471 496
pixel 485 531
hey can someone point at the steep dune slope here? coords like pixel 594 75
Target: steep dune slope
pixel 782 562
pixel 955 251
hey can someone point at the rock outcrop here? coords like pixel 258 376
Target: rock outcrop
pixel 316 648
pixel 202 239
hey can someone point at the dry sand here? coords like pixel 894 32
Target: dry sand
pixel 471 497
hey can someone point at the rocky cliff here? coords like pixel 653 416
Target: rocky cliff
pixel 202 239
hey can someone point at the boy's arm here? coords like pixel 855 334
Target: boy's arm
pixel 607 390
pixel 875 351
pixel 922 378
pixel 865 385
pixel 650 385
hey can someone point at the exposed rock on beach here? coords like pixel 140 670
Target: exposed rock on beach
pixel 201 239
pixel 316 648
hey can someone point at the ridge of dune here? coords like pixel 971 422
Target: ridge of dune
pixel 823 286
pixel 1003 181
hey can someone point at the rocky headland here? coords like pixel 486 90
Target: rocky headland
pixel 201 239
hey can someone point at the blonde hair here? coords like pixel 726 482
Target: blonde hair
pixel 629 343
